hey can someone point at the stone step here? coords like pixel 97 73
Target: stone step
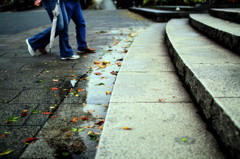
pixel 224 32
pixel 212 75
pixel 149 98
pixel 231 14
pixel 160 15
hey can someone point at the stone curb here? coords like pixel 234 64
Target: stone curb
pixel 222 115
pixel 227 14
pixel 159 15
pixel 223 32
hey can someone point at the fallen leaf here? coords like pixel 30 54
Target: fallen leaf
pixel 55 88
pixel 74 129
pixel 80 130
pixel 55 80
pixel 125 51
pixel 114 73
pixel 93 136
pixel 118 63
pixel 103 78
pixel 4 135
pixel 105 105
pixel 108 92
pixel 97 62
pixel 100 84
pixel 75 119
pixel 98 73
pixel 65 154
pixel 184 139
pixel 126 128
pixel 12 119
pixel 30 140
pixel 25 110
pixel 90 132
pixel 101 66
pixel 106 62
pixel 100 122
pixel 47 113
pixel 52 117
pixel 5 152
pixel 80 90
pixel 91 126
pixel 161 100
pixel 100 127
pixel 69 135
pixel 116 42
pixel 84 118
pixel 24 114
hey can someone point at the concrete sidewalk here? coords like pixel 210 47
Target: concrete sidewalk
pixel 150 99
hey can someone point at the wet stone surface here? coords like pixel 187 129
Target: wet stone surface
pixel 38 100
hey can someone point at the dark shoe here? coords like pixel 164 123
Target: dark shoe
pixel 87 50
pixel 42 50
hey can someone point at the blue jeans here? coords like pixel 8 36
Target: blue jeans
pixel 74 12
pixel 42 39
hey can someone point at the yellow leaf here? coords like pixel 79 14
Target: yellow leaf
pixel 101 66
pixel 108 92
pixel 90 132
pixel 126 128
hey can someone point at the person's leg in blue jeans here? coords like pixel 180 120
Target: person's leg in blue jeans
pixel 42 39
pixel 74 12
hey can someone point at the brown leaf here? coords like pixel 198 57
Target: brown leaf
pixel 98 73
pixel 52 117
pixel 24 114
pixel 113 73
pixel 100 122
pixel 4 135
pixel 84 118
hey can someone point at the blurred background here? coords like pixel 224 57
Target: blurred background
pixel 124 4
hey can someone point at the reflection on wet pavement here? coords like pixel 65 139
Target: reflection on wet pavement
pixel 93 89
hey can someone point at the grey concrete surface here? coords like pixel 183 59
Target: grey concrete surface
pixel 160 15
pixel 212 74
pixel 153 102
pixel 222 31
pixel 231 14
pixel 27 82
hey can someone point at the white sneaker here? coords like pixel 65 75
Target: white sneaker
pixel 74 57
pixel 30 50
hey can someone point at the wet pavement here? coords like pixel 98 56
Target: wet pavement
pixel 38 100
